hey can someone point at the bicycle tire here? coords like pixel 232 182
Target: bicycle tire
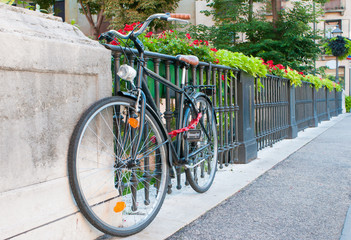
pixel 115 195
pixel 201 168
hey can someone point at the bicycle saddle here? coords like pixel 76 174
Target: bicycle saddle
pixel 190 59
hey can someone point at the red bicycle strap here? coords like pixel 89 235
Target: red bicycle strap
pixel 192 125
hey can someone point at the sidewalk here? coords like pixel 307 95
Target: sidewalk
pixel 304 197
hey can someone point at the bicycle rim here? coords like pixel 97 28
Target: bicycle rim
pixel 202 166
pixel 117 195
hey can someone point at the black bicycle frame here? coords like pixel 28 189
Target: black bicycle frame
pixel 146 94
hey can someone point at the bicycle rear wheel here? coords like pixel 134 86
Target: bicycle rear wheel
pixel 117 195
pixel 202 154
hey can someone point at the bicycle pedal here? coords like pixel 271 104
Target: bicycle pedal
pixel 193 135
pixel 171 173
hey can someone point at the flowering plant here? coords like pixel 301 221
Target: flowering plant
pixel 171 43
pixel 338 46
pixel 297 77
pixel 251 65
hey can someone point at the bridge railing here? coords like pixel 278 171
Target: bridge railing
pixel 249 118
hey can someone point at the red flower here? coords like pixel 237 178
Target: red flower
pixel 286 71
pixel 301 73
pixel 188 36
pixel 115 42
pixel 270 62
pixel 280 66
pixel 121 31
pixel 214 49
pixel 196 42
pixel 222 77
pixel 128 28
pixel 216 61
pixel 206 43
pixel 149 34
pixel 171 31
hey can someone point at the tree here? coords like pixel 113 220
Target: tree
pixel 121 12
pixel 94 7
pixel 288 39
pixel 276 8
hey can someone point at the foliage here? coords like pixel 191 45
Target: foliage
pixel 296 77
pixel 31 5
pixel 44 4
pixel 174 43
pixel 251 65
pixel 338 46
pixel 121 12
pixel 169 42
pixel 348 103
pixel 290 41
pixel 92 8
pixel 286 72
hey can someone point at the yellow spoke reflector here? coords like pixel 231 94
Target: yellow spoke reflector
pixel 120 206
pixel 133 122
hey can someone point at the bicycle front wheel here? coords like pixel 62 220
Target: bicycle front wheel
pixel 117 194
pixel 201 154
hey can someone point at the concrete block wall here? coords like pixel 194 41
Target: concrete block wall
pixel 49 74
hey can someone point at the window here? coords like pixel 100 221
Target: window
pixel 59 9
pixel 329 26
pixel 333 5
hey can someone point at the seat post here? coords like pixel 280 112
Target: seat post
pixel 184 72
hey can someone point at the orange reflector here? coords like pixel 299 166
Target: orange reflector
pixel 120 206
pixel 133 122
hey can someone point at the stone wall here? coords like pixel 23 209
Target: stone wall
pixel 49 74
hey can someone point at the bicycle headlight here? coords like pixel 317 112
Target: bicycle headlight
pixel 126 72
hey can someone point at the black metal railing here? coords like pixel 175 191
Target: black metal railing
pixel 271 111
pixel 322 104
pixel 304 105
pixel 332 103
pixel 248 118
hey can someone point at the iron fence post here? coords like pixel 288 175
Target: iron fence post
pixel 292 130
pixel 327 101
pixel 314 119
pixel 247 149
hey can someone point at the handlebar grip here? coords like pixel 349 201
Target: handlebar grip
pixel 107 36
pixel 180 15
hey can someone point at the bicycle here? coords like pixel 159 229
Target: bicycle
pixel 120 152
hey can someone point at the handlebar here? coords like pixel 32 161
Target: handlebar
pixel 179 17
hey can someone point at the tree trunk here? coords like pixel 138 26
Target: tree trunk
pixel 250 10
pixel 94 28
pixel 276 7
